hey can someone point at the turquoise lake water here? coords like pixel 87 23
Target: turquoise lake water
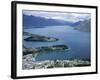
pixel 77 41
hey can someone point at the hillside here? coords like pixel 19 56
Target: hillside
pixel 84 26
pixel 35 21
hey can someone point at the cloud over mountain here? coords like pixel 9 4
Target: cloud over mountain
pixel 65 16
pixel 44 18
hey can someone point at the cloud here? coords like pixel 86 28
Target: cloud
pixel 65 16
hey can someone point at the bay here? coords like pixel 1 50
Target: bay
pixel 77 41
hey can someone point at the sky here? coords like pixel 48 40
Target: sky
pixel 65 16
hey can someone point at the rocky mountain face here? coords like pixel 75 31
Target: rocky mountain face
pixel 84 26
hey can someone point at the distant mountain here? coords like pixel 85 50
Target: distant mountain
pixel 84 26
pixel 35 21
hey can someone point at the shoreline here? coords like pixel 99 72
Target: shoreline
pixel 39 38
pixel 29 62
pixel 45 49
pixel 29 55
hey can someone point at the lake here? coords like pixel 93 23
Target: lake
pixel 77 41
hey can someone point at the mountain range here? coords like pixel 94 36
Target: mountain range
pixel 30 21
